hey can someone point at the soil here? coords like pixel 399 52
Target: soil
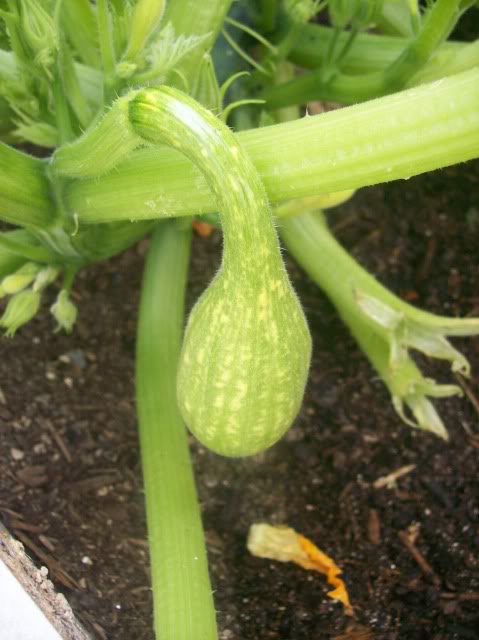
pixel 71 487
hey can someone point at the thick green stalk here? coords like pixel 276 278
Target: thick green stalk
pixel 395 137
pixel 186 20
pixel 349 89
pixel 268 15
pixel 78 19
pixel 107 50
pixel 24 190
pixel 369 52
pixel 182 596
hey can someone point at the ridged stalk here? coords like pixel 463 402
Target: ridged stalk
pixel 24 190
pixel 395 137
pixel 369 52
pixel 349 89
pixel 182 596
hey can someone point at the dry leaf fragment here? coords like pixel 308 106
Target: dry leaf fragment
pixel 203 229
pixel 286 545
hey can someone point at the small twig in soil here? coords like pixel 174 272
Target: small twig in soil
pixel 418 557
pixel 25 526
pixel 469 393
pixel 59 442
pixel 374 527
pixel 390 479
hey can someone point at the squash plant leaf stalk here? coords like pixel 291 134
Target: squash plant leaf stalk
pixel 320 84
pixel 386 328
pixel 249 307
pixel 394 137
pixel 182 595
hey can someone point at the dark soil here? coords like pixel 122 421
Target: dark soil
pixel 71 480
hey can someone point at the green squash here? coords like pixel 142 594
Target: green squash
pixel 246 351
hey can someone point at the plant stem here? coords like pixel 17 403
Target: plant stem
pixel 398 136
pixel 107 50
pixel 369 52
pixel 78 19
pixel 348 89
pixel 437 25
pixel 183 603
pixel 24 190
pixel 268 15
pixel 385 344
pixel 20 243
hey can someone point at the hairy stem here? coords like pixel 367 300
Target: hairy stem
pixel 398 136
pixel 24 190
pixel 368 53
pixel 182 596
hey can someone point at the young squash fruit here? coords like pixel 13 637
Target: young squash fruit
pixel 247 347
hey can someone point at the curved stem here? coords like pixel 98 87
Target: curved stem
pixel 182 596
pixel 394 137
pixel 166 116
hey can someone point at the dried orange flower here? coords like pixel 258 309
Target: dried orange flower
pixel 286 545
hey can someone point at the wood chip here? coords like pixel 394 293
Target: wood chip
pixel 424 565
pixel 25 526
pixel 33 475
pixel 374 527
pixel 390 479
pixel 59 442
pixel 469 393
pixel 355 631
pixel 46 542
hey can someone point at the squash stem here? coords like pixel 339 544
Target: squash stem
pixel 349 89
pixel 385 326
pixel 182 596
pixel 24 190
pixel 397 136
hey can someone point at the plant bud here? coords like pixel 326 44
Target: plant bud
pixel 145 18
pixel 39 32
pixel 64 312
pixel 45 277
pixel 21 308
pixel 19 280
